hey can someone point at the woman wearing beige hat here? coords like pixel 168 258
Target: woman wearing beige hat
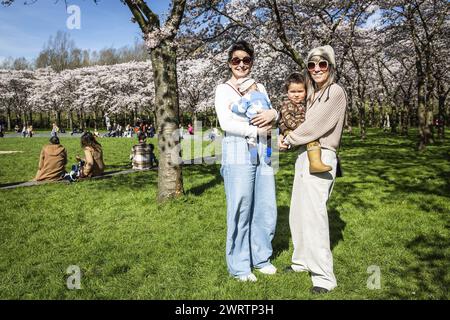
pixel 308 217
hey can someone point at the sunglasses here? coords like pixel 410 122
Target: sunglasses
pixel 323 65
pixel 236 61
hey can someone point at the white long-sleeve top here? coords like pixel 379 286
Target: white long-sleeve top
pixel 230 122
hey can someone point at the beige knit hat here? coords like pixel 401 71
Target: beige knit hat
pixel 244 83
pixel 326 52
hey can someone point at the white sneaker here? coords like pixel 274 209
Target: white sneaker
pixel 269 269
pixel 250 277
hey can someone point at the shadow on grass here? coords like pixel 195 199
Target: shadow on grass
pixel 337 226
pixel 118 167
pixel 282 237
pixel 198 171
pixel 428 272
pixel 399 165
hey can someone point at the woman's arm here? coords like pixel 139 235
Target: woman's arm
pixel 89 162
pixel 225 115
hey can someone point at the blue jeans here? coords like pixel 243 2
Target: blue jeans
pixel 251 207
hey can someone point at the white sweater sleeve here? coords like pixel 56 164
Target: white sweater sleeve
pixel 225 95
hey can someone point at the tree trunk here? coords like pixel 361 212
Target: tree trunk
pixel 8 118
pixel 41 120
pixel 424 129
pixel 349 113
pixel 170 179
pixel 442 119
pixel 371 113
pixel 362 120
pixel 70 116
pixel 95 119
pixel 404 117
pixel 58 118
pixel 394 118
pixel 83 121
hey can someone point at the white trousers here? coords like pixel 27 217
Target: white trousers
pixel 308 220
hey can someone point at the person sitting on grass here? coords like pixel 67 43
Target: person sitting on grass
pixel 52 161
pixel 142 155
pixel 93 161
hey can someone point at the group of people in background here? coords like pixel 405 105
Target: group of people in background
pixel 117 130
pixel 26 132
pixel 53 158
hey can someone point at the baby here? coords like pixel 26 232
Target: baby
pixel 251 102
pixel 293 113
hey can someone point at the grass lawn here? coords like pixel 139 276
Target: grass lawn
pixel 391 210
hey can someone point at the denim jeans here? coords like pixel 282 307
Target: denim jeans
pixel 251 207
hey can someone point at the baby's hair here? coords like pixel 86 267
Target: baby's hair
pixel 295 77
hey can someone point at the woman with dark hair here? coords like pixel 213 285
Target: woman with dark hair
pixel 52 161
pixel 308 217
pixel 93 162
pixel 249 185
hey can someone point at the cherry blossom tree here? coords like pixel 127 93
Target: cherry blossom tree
pixel 15 90
pixel 423 23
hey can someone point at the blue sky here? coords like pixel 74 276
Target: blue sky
pixel 24 29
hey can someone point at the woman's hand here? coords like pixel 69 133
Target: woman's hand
pixel 78 158
pixel 264 118
pixel 281 145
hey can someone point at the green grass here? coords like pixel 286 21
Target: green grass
pixel 391 209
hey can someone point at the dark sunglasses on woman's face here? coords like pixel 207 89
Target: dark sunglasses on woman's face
pixel 323 65
pixel 236 61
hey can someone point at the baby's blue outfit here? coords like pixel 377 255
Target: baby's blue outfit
pixel 249 105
